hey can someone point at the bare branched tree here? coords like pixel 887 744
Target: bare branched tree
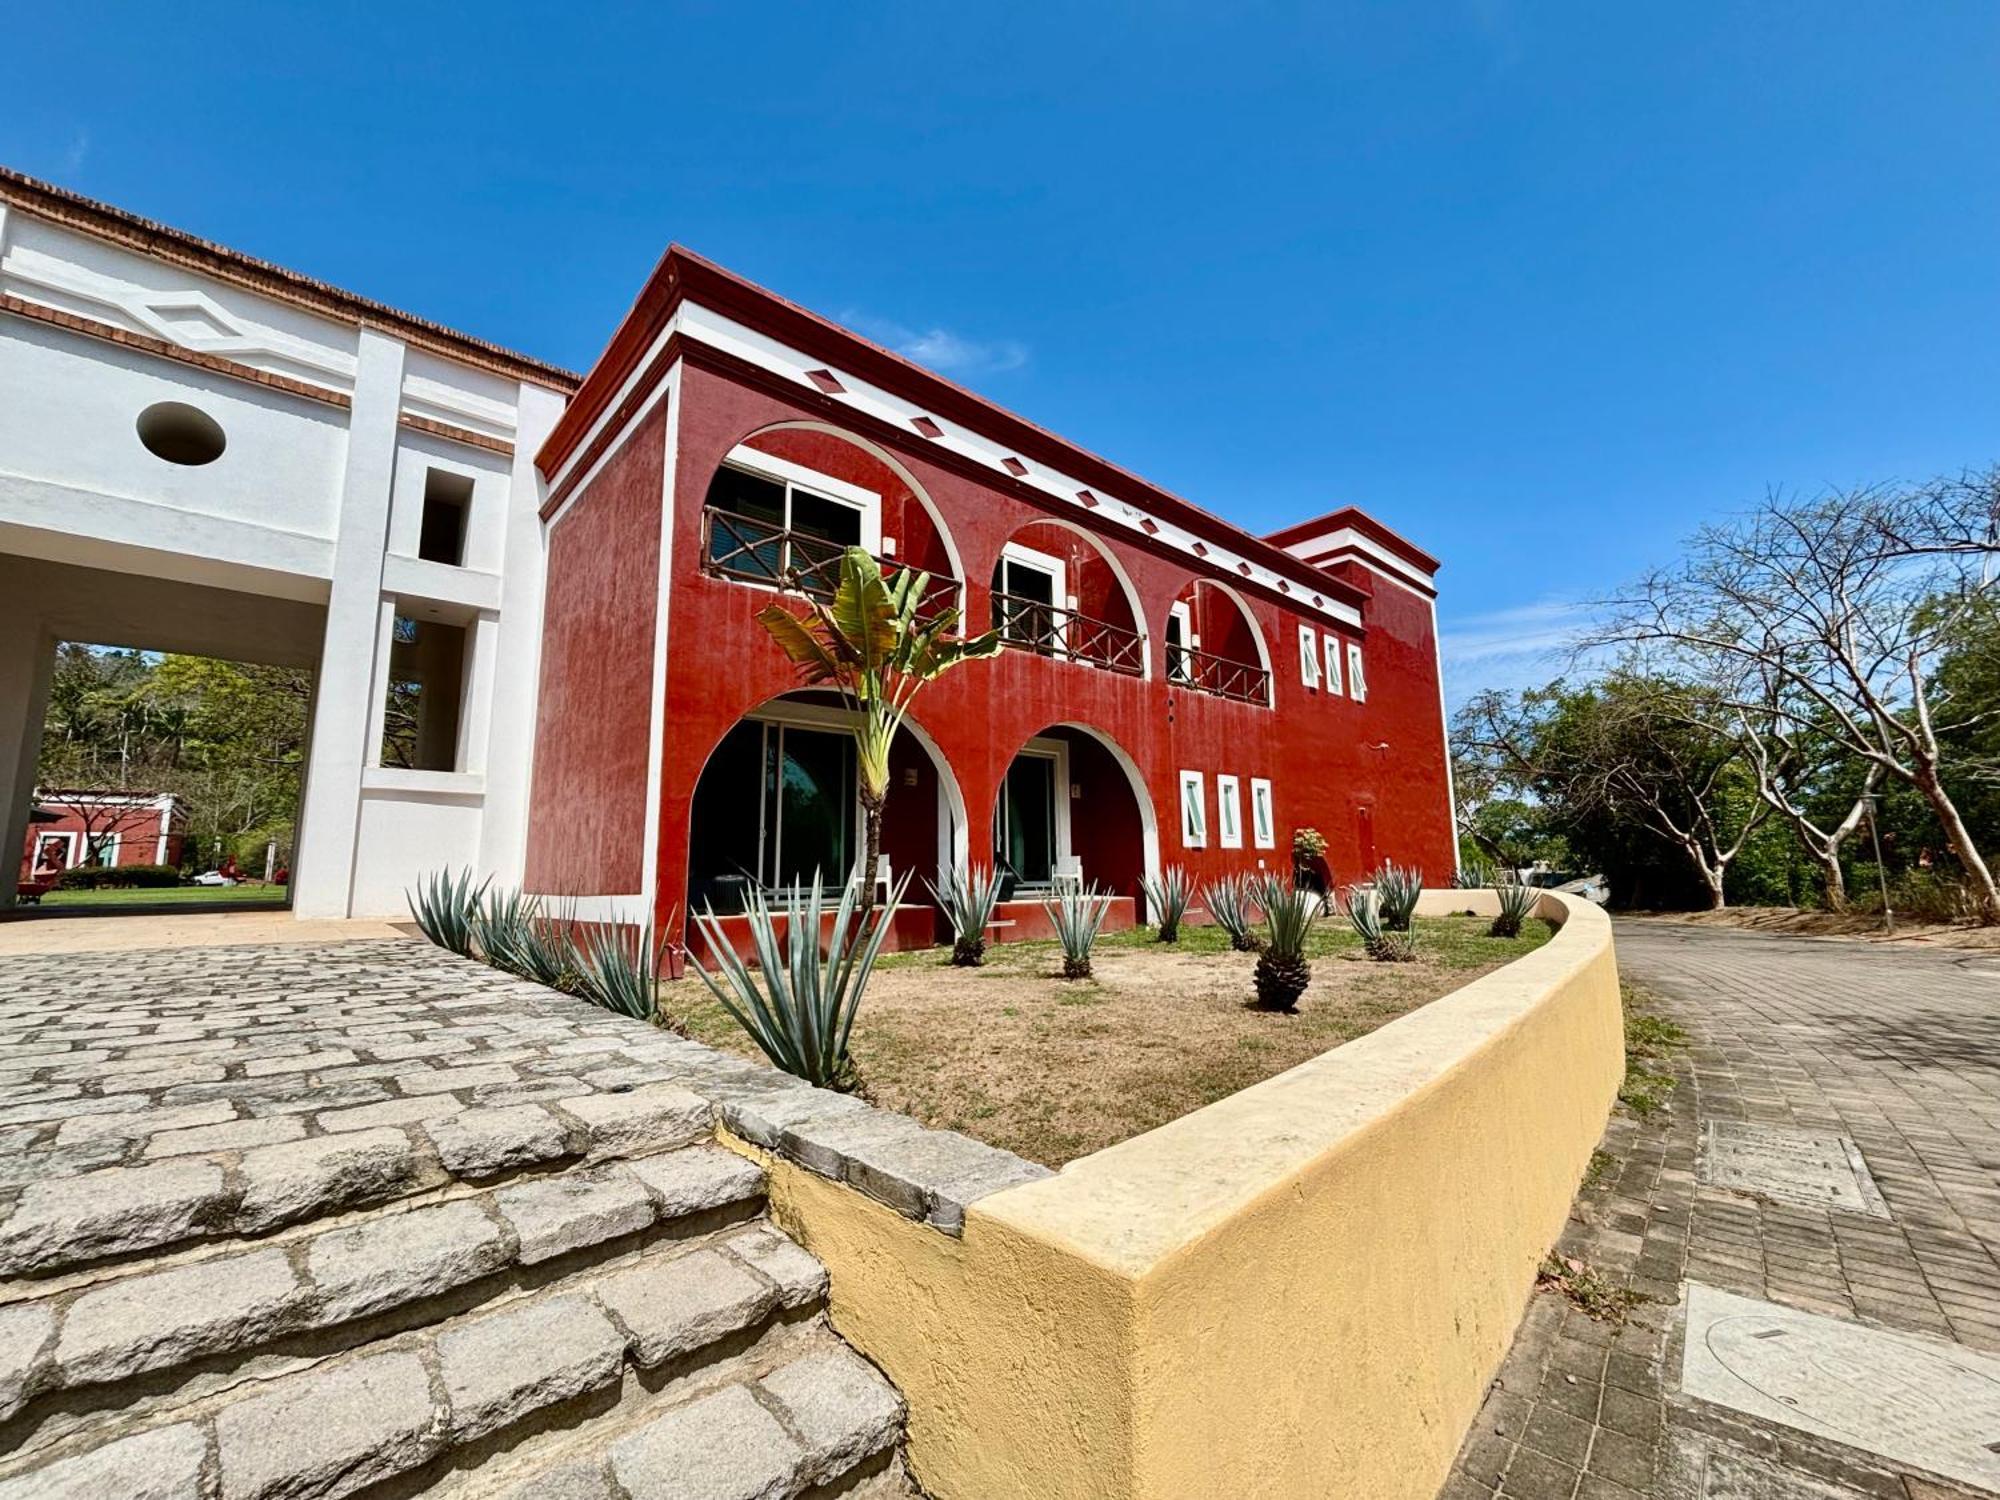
pixel 1828 617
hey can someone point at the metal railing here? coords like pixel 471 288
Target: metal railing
pixel 1038 626
pixel 1236 680
pixel 754 551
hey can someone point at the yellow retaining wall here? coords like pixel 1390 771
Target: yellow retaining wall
pixel 1301 1290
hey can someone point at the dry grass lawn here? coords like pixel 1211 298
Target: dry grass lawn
pixel 1052 1069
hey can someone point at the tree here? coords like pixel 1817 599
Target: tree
pixel 1629 759
pixel 871 645
pixel 1831 616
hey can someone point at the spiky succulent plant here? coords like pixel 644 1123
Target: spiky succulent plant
pixel 1283 970
pixel 1363 906
pixel 1232 901
pixel 968 898
pixel 1167 896
pixel 1077 914
pixel 1517 904
pixel 1396 892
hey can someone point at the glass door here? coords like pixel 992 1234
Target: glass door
pixel 1024 833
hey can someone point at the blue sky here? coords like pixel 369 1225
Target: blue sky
pixel 1540 285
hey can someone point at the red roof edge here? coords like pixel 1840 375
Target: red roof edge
pixel 1349 516
pixel 681 273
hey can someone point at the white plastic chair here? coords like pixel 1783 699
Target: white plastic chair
pixel 1068 872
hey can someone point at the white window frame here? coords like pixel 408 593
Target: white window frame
pixel 116 843
pixel 1228 812
pixel 1194 818
pixel 1189 642
pixel 1332 652
pixel 1014 555
pixel 822 486
pixel 1308 656
pixel 1357 678
pixel 67 837
pixel 1263 817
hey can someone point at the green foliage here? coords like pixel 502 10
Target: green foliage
pixel 799 1006
pixel 1648 1038
pixel 1396 893
pixel 511 933
pixel 1232 901
pixel 1308 844
pixel 1588 1289
pixel 872 646
pixel 1283 969
pixel 616 967
pixel 1517 904
pixel 1363 908
pixel 446 907
pixel 967 900
pixel 1077 916
pixel 117 877
pixel 1475 873
pixel 1167 897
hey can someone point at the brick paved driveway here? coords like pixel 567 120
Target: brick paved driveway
pixel 1895 1047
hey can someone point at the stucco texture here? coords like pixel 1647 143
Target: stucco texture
pixel 1302 1290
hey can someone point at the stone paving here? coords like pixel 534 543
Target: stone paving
pixel 1897 1048
pixel 361 1216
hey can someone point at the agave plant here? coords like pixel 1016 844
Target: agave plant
pixel 1363 907
pixel 506 929
pixel 1517 904
pixel 1232 900
pixel 617 967
pixel 1396 892
pixel 1167 896
pixel 968 900
pixel 799 1007
pixel 1283 970
pixel 446 907
pixel 1474 874
pixel 1077 914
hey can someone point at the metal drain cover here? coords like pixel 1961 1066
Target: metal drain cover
pixel 1805 1167
pixel 1917 1402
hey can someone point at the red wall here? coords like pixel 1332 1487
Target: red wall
pixel 1318 750
pixel 588 805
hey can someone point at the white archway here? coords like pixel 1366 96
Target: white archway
pixel 1256 631
pixel 1139 621
pixel 1149 823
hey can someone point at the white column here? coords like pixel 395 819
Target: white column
pixel 323 877
pixel 516 645
pixel 27 662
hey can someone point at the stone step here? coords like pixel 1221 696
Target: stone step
pixel 74 1352
pixel 715 1352
pixel 147 1180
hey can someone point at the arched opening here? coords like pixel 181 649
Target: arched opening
pixel 789 500
pixel 1057 591
pixel 776 803
pixel 1213 644
pixel 1073 809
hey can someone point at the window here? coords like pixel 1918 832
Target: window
pixel 1228 812
pixel 1332 643
pixel 102 849
pixel 426 684
pixel 1263 827
pixel 769 519
pixel 1194 810
pixel 1308 656
pixel 1357 681
pixel 1028 597
pixel 447 502
pixel 1180 640
pixel 776 807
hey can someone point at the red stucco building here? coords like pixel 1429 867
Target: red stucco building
pixel 112 829
pixel 1176 690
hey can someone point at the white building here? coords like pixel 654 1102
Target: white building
pixel 203 453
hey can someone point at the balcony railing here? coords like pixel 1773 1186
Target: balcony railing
pixel 1235 680
pixel 754 551
pixel 1038 626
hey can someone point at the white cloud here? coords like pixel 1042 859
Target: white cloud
pixel 941 349
pixel 79 149
pixel 1522 646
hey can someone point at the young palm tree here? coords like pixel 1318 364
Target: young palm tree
pixel 870 645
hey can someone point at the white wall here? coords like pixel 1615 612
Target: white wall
pixel 309 520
